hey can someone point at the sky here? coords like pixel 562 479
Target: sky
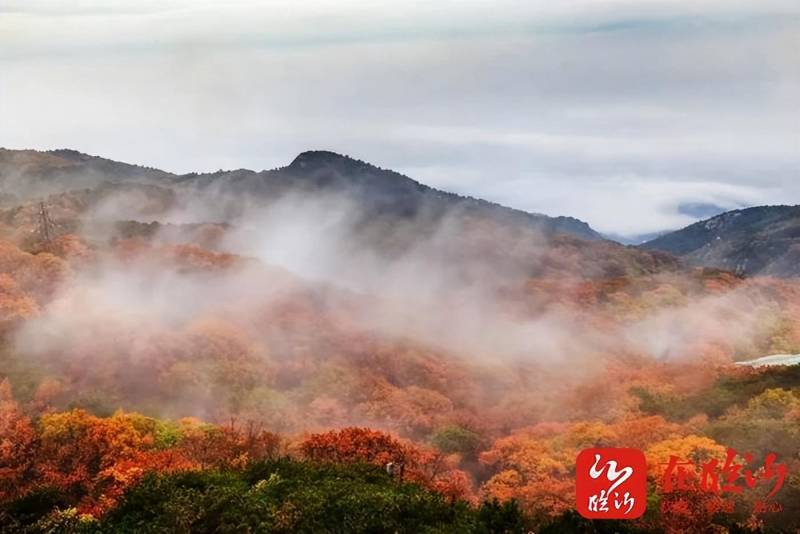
pixel 635 116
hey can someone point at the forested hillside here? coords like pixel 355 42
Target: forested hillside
pixel 302 363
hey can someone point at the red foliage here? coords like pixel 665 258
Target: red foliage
pixel 424 465
pixel 357 445
pixel 17 445
pixel 230 445
pixel 93 460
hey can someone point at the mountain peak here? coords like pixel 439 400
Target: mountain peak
pixel 319 158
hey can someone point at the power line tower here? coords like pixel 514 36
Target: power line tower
pixel 46 229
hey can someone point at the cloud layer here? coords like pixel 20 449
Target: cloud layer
pixel 615 112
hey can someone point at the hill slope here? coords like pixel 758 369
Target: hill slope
pixel 323 209
pixel 763 240
pixel 26 174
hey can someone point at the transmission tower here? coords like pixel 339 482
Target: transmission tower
pixel 47 229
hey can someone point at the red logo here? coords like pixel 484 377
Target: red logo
pixel 611 483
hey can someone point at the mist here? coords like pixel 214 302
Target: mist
pixel 302 288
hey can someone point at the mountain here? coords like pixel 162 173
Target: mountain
pixel 763 240
pixel 321 200
pixel 27 174
pixel 695 210
pixel 386 191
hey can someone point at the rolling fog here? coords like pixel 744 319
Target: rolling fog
pixel 302 279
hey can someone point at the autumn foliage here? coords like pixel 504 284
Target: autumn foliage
pixel 92 460
pixel 407 461
pixel 100 398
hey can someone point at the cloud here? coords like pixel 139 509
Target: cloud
pixel 616 112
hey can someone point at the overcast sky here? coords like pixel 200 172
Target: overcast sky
pixel 620 113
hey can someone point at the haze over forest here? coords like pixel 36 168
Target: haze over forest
pixel 336 267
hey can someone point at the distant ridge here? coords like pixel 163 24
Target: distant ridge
pixel 30 173
pixel 761 240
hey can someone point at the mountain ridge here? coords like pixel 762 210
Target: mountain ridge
pixel 318 170
pixel 762 240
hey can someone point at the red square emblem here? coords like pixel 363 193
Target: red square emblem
pixel 611 483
